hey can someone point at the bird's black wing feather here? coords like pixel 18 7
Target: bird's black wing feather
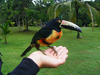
pixel 27 50
pixel 42 33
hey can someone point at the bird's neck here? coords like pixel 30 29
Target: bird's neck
pixel 56 28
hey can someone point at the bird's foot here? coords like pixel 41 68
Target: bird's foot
pixel 42 51
pixel 53 49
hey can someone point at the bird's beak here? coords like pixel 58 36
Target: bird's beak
pixel 70 25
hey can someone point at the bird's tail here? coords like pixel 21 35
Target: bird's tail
pixel 27 50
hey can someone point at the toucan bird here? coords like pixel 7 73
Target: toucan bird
pixel 50 33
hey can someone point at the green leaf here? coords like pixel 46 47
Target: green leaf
pixel 93 14
pixel 72 16
pixel 55 9
pixel 96 15
pixel 4 28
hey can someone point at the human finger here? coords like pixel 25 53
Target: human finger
pixel 62 52
pixel 62 56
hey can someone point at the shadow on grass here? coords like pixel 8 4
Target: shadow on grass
pixel 32 30
pixel 25 32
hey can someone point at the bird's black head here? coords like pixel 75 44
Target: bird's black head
pixel 57 24
pixel 54 23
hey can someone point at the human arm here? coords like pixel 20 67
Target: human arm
pixel 50 60
pixel 36 61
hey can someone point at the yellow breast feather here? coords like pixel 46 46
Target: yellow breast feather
pixel 54 36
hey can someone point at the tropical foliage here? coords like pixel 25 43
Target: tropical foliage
pixel 5 31
pixel 21 12
pixel 74 6
pixel 25 13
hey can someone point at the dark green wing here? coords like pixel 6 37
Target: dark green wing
pixel 27 50
pixel 42 33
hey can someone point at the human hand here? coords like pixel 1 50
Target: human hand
pixel 50 60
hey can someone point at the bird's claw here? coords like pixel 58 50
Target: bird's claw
pixel 42 51
pixel 54 50
pixel 56 53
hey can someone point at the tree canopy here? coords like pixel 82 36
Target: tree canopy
pixel 79 11
pixel 27 12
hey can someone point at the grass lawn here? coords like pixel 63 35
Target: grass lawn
pixel 84 54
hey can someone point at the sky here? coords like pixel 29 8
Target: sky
pixel 84 0
pixel 89 0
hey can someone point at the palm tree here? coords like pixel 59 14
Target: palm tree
pixel 5 31
pixel 76 4
pixel 97 0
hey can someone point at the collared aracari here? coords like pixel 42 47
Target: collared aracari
pixel 50 33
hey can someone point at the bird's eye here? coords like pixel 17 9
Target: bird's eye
pixel 59 21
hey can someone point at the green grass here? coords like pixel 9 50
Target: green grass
pixel 84 54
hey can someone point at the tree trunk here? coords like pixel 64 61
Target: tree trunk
pixel 23 22
pixel 26 22
pixel 18 22
pixel 78 34
pixel 77 16
pixel 5 40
